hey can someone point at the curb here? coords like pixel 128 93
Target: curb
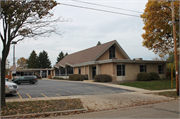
pixel 44 113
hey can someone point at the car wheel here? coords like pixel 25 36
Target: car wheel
pixel 33 82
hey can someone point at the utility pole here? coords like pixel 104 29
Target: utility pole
pixel 175 47
pixel 14 65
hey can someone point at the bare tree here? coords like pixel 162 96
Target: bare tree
pixel 24 19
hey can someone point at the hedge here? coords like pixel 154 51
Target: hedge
pixel 102 78
pixel 154 76
pixel 78 77
pixel 143 77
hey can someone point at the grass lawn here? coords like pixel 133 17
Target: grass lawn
pixel 13 108
pixel 168 94
pixel 152 85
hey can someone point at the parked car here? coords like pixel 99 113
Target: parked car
pixel 6 79
pixel 26 79
pixel 10 87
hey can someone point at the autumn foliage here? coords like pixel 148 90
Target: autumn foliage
pixel 157 19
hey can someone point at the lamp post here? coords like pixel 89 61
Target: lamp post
pixel 14 65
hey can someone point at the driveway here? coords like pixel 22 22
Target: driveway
pixel 55 88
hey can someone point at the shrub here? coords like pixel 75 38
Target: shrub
pixel 163 78
pixel 60 78
pixel 154 76
pixel 78 77
pixel 102 78
pixel 143 77
pixel 38 76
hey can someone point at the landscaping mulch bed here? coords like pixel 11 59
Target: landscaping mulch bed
pixel 28 107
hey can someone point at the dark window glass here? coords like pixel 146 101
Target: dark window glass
pixel 79 70
pixel 62 70
pixel 142 68
pixel 112 52
pixel 69 70
pixel 56 72
pixel 161 69
pixel 120 70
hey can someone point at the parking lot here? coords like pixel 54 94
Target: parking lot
pixel 55 88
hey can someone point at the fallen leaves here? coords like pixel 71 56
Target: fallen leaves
pixel 40 106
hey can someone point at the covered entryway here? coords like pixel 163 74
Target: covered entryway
pixel 93 72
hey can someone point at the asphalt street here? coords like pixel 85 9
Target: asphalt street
pixel 55 88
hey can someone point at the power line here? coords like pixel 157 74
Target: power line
pixel 107 6
pixel 99 10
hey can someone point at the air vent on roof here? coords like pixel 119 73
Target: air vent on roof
pixel 138 59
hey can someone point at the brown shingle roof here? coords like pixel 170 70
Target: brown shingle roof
pixel 86 55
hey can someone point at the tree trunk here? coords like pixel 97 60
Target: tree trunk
pixel 5 53
pixel 3 69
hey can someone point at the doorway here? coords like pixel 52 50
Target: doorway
pixel 93 72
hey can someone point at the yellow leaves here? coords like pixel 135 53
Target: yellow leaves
pixel 158 30
pixel 21 63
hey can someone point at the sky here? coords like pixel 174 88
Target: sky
pixel 87 27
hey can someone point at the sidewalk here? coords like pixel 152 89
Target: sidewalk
pixel 161 110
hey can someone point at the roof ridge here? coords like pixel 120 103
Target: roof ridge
pixel 92 47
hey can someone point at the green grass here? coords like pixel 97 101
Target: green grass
pixel 152 85
pixel 172 94
pixel 13 108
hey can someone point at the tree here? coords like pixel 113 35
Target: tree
pixel 99 43
pixel 32 61
pixel 158 34
pixel 22 63
pixel 21 19
pixel 66 54
pixel 43 60
pixel 60 56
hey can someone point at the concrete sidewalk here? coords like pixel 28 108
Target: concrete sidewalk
pixel 161 110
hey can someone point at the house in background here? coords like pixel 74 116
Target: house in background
pixel 108 58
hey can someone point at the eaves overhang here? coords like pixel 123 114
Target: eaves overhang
pixel 129 61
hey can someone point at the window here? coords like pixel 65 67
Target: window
pixel 56 72
pixel 120 70
pixel 142 68
pixel 69 70
pixel 62 71
pixel 112 52
pixel 79 70
pixel 161 69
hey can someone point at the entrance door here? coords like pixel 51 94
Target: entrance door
pixel 93 72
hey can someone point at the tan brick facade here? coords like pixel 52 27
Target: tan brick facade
pixel 108 69
pixel 104 56
pixel 76 70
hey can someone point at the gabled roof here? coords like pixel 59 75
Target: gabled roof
pixel 90 54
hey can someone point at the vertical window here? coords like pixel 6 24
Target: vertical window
pixel 142 68
pixel 79 70
pixel 69 70
pixel 120 70
pixel 56 72
pixel 112 52
pixel 161 69
pixel 62 70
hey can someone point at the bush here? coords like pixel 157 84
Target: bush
pixel 60 78
pixel 163 78
pixel 154 76
pixel 102 78
pixel 143 77
pixel 78 77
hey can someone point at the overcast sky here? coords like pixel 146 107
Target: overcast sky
pixel 88 27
